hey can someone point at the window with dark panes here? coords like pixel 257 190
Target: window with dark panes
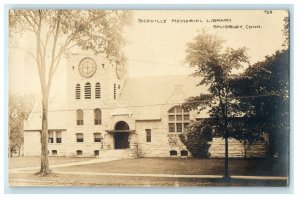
pixel 58 137
pixel 77 91
pixel 148 135
pixel 79 137
pixel 96 152
pixel 50 137
pixel 178 119
pixel 87 91
pixel 79 117
pixel 184 153
pixel 171 127
pixel 173 153
pixel 97 90
pixel 97 137
pixel 97 116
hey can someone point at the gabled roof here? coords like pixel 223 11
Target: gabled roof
pixel 58 110
pixel 148 95
pixel 157 90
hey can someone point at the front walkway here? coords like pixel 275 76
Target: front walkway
pixel 93 161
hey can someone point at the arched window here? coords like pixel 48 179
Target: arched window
pixel 79 152
pixel 97 116
pixel 77 91
pixel 179 119
pixel 87 91
pixel 173 153
pixel 97 90
pixel 79 117
pixel 184 153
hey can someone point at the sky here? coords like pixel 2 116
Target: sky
pixel 156 43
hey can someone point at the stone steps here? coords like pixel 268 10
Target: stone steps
pixel 119 153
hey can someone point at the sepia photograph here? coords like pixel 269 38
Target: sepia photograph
pixel 148 98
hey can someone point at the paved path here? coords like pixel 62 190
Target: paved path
pixel 174 175
pixel 93 161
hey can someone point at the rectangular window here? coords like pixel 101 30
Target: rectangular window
pixel 179 127
pixel 96 152
pixel 50 137
pixel 178 117
pixel 97 137
pixel 171 127
pixel 148 135
pixel 79 137
pixel 58 136
pixel 171 117
pixel 79 117
pixel 186 117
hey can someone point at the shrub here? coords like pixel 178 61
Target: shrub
pixel 196 138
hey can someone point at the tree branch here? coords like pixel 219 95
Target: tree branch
pixel 31 54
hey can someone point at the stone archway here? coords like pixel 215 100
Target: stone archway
pixel 121 125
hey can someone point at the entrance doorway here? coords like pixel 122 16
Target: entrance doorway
pixel 121 135
pixel 121 140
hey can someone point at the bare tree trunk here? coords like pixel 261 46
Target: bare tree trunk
pixel 44 155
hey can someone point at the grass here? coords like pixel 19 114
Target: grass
pixel 186 166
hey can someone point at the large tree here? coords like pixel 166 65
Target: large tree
pixel 55 32
pixel 263 93
pixel 214 66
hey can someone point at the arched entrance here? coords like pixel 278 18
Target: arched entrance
pixel 121 135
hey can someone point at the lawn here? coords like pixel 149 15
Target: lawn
pixel 173 166
pixel 185 166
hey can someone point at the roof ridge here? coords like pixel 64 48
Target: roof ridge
pixel 162 76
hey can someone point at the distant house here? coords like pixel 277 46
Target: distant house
pixel 106 114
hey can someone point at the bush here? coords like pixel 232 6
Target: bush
pixel 196 138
